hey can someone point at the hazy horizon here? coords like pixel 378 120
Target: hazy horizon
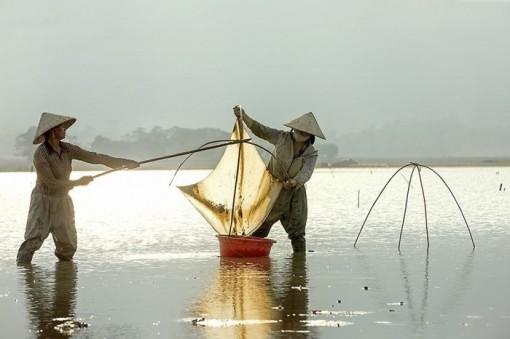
pixel 358 65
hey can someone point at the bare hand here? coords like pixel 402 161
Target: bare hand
pixel 238 110
pixel 130 164
pixel 84 181
pixel 289 184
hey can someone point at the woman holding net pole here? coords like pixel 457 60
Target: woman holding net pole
pixel 293 163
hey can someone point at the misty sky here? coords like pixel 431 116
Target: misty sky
pixel 120 64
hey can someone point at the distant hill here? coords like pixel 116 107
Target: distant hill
pixel 439 138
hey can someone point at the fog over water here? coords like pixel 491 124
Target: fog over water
pixel 365 68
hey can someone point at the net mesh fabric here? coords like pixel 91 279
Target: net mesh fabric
pixel 256 189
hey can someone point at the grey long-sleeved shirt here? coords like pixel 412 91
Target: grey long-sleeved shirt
pixel 286 166
pixel 53 169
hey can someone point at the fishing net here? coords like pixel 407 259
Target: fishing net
pixel 239 193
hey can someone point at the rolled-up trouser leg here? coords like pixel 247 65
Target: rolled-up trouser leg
pixel 38 226
pixel 47 214
pixel 294 222
pixel 64 229
pixel 298 244
pixel 27 249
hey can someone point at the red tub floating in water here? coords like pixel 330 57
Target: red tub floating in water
pixel 244 246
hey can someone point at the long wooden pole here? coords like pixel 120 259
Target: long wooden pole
pixel 239 154
pixel 174 155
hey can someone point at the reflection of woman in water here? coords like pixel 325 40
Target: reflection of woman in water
pixel 51 299
pixel 290 295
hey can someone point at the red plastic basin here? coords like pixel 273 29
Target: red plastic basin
pixel 244 246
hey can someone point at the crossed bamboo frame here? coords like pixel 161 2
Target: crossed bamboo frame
pixel 419 167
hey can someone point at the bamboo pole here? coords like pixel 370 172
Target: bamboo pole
pixel 231 142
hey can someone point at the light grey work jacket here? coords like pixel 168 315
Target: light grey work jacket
pixel 285 166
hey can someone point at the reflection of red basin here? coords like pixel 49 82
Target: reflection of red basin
pixel 244 246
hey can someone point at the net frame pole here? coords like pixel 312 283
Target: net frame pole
pixel 241 131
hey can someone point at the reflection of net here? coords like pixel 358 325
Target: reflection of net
pixel 255 194
pixel 238 299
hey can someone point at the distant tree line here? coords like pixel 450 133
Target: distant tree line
pixel 410 140
pixel 141 144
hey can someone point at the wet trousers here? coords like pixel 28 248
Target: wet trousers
pixel 49 214
pixel 291 209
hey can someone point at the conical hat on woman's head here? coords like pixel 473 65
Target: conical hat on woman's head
pixel 48 121
pixel 306 123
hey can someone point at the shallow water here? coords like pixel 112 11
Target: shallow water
pixel 148 266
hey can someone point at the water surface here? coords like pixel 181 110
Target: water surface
pixel 147 265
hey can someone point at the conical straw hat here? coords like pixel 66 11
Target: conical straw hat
pixel 306 123
pixel 48 121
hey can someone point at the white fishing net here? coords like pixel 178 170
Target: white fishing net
pixel 255 189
